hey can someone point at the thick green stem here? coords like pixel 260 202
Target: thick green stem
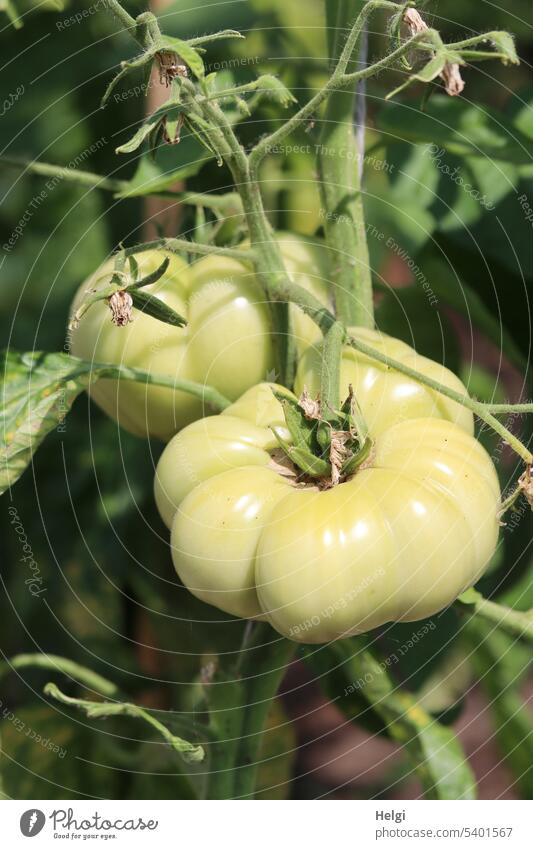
pixel 120 13
pixel 331 367
pixel 225 699
pixel 340 180
pixel 516 622
pixel 262 670
pixel 269 265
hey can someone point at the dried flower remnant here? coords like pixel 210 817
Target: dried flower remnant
pixel 450 74
pixel 121 305
pixel 525 483
pixel 310 406
pixel 339 452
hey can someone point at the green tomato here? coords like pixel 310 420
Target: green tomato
pixel 227 342
pixel 398 541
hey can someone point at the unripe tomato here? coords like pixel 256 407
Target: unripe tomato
pixel 227 342
pixel 399 540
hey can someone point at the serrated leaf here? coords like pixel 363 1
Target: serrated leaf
pixel 427 74
pixel 493 662
pixel 150 305
pixel 38 390
pixel 463 128
pixel 190 752
pixel 190 56
pixel 273 88
pixel 504 44
pixel 433 749
pixel 137 139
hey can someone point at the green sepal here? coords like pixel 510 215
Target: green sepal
pixel 150 305
pixel 302 430
pixel 304 459
pixel 150 278
pixel 308 463
pixel 359 457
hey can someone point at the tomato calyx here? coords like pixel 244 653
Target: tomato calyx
pixel 328 446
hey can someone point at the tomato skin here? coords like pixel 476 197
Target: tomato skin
pixel 227 342
pixel 398 541
pixel 387 396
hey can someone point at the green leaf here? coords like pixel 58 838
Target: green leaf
pixel 44 755
pixel 271 87
pixel 137 139
pixel 493 662
pixel 151 176
pixel 304 458
pixel 302 430
pixel 155 307
pixel 503 42
pixel 190 56
pixel 309 463
pixel 427 74
pixel 38 390
pixel 433 749
pixel 128 67
pixel 97 710
pixel 459 127
pixel 358 457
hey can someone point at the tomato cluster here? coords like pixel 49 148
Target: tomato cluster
pixel 397 539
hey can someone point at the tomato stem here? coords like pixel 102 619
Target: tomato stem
pixel 186 246
pixel 263 666
pixel 339 161
pixel 331 367
pixel 208 394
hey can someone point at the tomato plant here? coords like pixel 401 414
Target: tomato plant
pixel 334 469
